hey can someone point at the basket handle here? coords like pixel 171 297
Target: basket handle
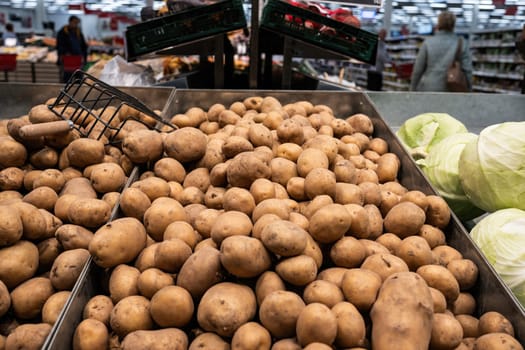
pixel 45 129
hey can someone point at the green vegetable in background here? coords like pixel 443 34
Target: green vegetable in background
pixel 501 237
pixel 423 131
pixel 442 168
pixel 492 168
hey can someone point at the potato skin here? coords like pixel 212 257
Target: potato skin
pixel 267 283
pixel 142 146
pixel 245 168
pixel 161 213
pixel 53 306
pixel 284 238
pixel 230 223
pixel 244 257
pixel 163 339
pixel 5 299
pixel 14 154
pixel 465 271
pixel 90 334
pixel 308 330
pixel 384 264
pixel 329 223
pixel 123 282
pixel 202 270
pixel 404 219
pixel 279 312
pixel 298 270
pixel 18 263
pixel 209 341
pixel 134 203
pixel 89 212
pixel 323 292
pixel 11 226
pixel 442 279
pixel 67 268
pixel 415 252
pixel 131 314
pixel 251 335
pixel 351 329
pixel 494 322
pixel 225 307
pixel 28 298
pixel 361 287
pixel 73 236
pixel 403 303
pixel 152 280
pixel 107 177
pixel 98 308
pixel 168 299
pixel 446 332
pixel 500 341
pixel 11 179
pixel 28 336
pixel 185 144
pixel 118 242
pixel 43 197
pixel 84 152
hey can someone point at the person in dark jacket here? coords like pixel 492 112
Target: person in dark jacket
pixel 70 41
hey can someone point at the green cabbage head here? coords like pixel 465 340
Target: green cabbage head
pixel 492 168
pixel 423 131
pixel 501 237
pixel 442 169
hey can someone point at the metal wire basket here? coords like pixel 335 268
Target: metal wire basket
pixel 97 110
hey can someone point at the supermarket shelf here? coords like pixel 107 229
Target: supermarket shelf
pixel 396 84
pixel 403 57
pixel 481 44
pixel 498 75
pixel 390 74
pixel 497 59
pixel 359 76
pixel 495 90
pixel 402 47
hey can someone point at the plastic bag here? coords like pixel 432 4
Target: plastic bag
pixel 119 72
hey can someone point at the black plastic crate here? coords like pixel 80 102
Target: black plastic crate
pixel 182 27
pixel 339 37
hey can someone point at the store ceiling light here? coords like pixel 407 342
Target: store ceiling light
pixel 438 5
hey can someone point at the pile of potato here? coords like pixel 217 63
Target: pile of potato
pixel 55 192
pixel 259 226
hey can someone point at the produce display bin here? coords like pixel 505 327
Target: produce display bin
pixel 490 292
pixel 18 100
pixel 184 26
pixel 284 18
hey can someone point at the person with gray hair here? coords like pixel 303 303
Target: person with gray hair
pixel 437 53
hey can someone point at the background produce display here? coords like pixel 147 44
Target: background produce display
pixel 255 223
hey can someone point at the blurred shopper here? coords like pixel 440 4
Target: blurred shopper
pixel 437 53
pixel 10 35
pixel 70 41
pixel 520 46
pixel 375 73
